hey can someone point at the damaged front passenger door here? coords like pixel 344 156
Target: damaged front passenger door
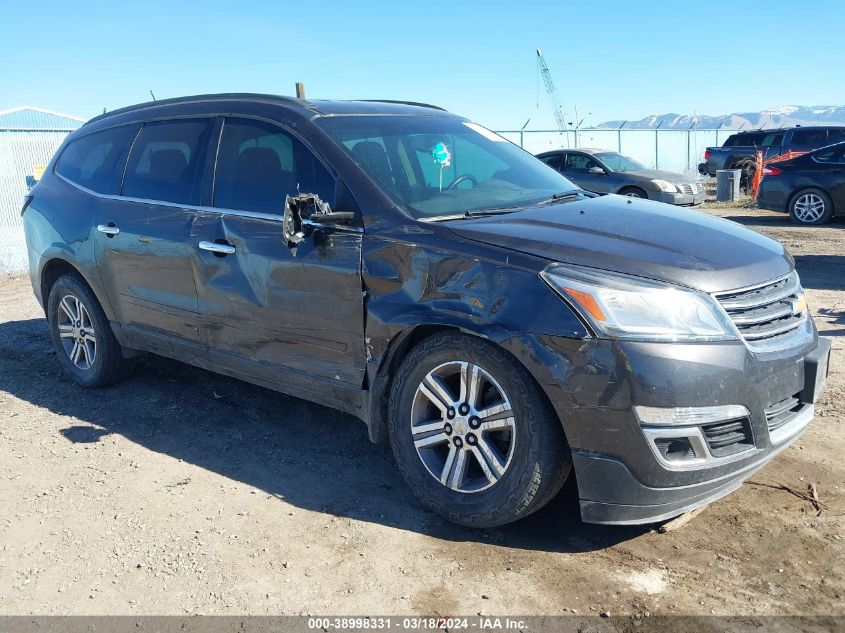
pixel 287 306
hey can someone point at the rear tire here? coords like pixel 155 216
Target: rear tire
pixel 810 207
pixel 85 345
pixel 633 192
pixel 454 442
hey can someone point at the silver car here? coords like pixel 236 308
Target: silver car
pixel 605 171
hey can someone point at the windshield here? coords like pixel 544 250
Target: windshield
pixel 618 162
pixel 441 166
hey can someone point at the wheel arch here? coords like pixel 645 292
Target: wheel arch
pixel 56 265
pixel 520 347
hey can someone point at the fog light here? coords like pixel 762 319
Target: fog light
pixel 688 416
pixel 675 450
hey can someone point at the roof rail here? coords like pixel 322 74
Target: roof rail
pixel 209 97
pixel 399 102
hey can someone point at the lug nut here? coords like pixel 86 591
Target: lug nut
pixel 458 442
pixel 450 413
pixel 448 429
pixel 471 439
pixel 474 422
pixel 464 408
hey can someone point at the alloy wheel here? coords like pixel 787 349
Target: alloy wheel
pixel 809 207
pixel 463 426
pixel 76 331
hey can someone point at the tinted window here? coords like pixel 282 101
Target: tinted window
pixel 579 162
pixel 772 139
pixel 836 135
pixel 166 161
pixel 552 161
pixel 809 138
pixel 745 140
pixel 96 161
pixel 258 164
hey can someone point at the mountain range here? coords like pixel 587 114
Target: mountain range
pixel 782 116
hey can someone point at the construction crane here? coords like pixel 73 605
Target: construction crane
pixel 554 99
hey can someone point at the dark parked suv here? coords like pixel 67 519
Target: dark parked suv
pixel 497 324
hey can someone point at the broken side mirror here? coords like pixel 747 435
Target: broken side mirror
pixel 306 212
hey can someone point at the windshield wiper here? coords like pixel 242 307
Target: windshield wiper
pixel 566 196
pixel 466 215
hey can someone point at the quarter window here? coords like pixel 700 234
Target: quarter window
pixel 96 161
pixel 166 161
pixel 259 164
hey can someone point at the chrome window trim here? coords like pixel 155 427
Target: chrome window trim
pixel 257 215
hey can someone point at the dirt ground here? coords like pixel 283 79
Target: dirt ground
pixel 181 492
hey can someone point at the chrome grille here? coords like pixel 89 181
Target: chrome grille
pixel 767 311
pixel 690 189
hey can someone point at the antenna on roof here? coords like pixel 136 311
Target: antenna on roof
pixel 104 110
pixel 152 95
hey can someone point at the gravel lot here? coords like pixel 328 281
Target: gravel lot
pixel 181 491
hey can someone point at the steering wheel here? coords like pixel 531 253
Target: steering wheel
pixel 460 179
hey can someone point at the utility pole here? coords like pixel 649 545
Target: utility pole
pixel 300 90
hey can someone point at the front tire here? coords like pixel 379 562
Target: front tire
pixel 810 207
pixel 473 435
pixel 633 192
pixel 85 345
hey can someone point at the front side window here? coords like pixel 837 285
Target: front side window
pixel 166 161
pixel 96 161
pixel 258 164
pixel 579 163
pixel 441 165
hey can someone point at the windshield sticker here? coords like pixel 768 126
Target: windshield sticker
pixel 490 136
pixel 442 157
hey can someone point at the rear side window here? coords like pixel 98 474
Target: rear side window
pixel 258 164
pixel 836 136
pixel 772 139
pixel 96 161
pixel 166 161
pixel 809 138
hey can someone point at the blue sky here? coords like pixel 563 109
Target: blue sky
pixel 610 58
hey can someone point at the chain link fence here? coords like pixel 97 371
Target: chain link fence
pixel 23 155
pixel 671 150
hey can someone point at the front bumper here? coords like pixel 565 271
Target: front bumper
pixel 681 199
pixel 620 480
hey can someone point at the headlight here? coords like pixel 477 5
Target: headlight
pixel 665 185
pixel 623 306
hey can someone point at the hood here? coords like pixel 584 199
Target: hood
pixel 637 237
pixel 655 174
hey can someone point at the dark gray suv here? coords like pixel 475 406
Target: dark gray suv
pixel 497 324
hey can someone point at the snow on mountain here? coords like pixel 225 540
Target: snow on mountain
pixel 780 116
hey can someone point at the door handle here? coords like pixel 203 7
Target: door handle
pixel 219 249
pixel 109 230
